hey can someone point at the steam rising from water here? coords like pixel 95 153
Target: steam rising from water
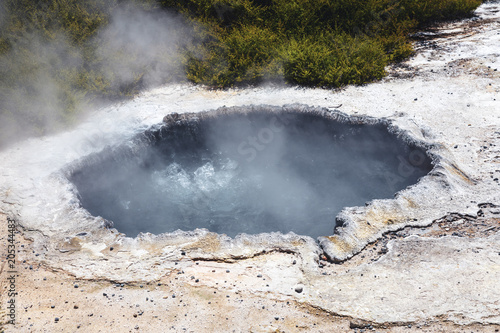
pixel 47 80
pixel 248 173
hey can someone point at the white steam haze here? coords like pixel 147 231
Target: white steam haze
pixel 138 42
pixel 30 103
pixel 47 84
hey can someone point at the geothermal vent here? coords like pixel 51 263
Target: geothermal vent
pixel 247 170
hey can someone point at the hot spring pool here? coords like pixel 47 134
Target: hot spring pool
pixel 249 171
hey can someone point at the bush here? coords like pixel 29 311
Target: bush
pixel 309 42
pixel 334 61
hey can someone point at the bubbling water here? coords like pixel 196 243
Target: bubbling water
pixel 248 173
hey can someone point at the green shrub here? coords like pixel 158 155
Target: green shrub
pixel 309 42
pixel 247 55
pixel 334 61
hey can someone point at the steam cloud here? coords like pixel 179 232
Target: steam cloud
pixel 137 42
pixel 46 83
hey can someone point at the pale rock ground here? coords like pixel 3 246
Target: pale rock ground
pixel 440 278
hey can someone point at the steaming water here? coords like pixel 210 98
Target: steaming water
pixel 249 174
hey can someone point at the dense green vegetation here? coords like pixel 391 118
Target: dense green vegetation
pixel 57 55
pixel 309 42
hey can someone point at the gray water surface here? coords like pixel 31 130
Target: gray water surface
pixel 252 173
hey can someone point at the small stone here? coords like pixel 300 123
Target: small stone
pixel 56 319
pixel 299 289
pixel 111 248
pixel 52 306
pixel 76 286
pixel 75 306
pixel 227 270
pixel 259 275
